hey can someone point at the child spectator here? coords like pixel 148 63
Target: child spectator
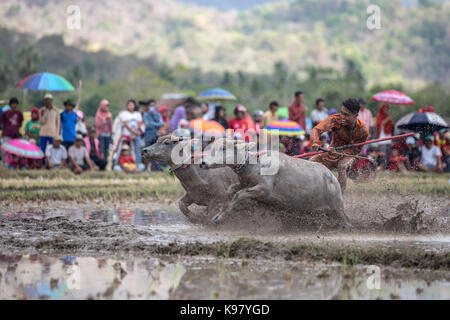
pixel 299 147
pixel 411 153
pixel 32 127
pixel 56 154
pixel 79 157
pixel 397 161
pixel 127 162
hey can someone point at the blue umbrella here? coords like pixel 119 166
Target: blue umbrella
pixel 216 94
pixel 419 121
pixel 45 82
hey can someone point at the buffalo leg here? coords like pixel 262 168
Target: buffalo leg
pixel 255 192
pixel 184 204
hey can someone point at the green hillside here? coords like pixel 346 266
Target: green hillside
pixel 412 47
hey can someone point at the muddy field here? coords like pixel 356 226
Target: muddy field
pixel 144 249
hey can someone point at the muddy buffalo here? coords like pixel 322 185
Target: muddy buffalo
pixel 294 185
pixel 203 187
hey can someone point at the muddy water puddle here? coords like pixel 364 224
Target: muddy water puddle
pixel 167 224
pixel 68 277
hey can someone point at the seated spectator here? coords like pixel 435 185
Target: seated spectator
pixel 32 127
pixel 288 143
pixel 126 161
pixel 376 156
pixel 445 149
pixel 411 154
pixel 93 147
pixel 430 160
pixel 299 147
pixel 324 141
pixel 397 162
pixel 55 154
pixel 14 162
pixel 79 157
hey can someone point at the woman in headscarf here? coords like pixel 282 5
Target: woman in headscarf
pixel 180 113
pixel 103 126
pixel 165 129
pixel 220 116
pixel 385 128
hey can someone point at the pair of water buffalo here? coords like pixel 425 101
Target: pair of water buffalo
pixel 221 184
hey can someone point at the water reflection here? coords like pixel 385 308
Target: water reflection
pixel 121 215
pixel 69 277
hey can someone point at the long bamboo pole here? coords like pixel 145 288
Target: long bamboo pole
pixel 355 145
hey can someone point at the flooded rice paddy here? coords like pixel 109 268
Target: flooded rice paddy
pixel 63 250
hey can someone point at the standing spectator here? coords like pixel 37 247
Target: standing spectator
pixel 430 160
pixel 103 126
pixel 11 120
pixel 79 157
pixel 239 121
pixel 56 154
pixel 179 113
pixel 365 115
pixel 68 124
pixel 165 129
pixel 132 122
pixel 270 115
pixel 257 118
pixel 385 128
pixel 297 110
pixel 92 145
pixel 320 113
pixel 50 122
pixel 152 120
pixel 220 116
pixel 411 153
pixel 33 127
pixel 205 111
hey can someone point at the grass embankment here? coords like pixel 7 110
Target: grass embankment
pixel 64 185
pixel 113 186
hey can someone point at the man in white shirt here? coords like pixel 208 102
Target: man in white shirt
pixel 365 115
pixel 55 154
pixel 79 157
pixel 430 159
pixel 320 113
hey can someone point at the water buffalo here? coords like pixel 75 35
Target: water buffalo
pixel 298 186
pixel 203 187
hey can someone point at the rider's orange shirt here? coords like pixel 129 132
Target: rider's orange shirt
pixel 341 135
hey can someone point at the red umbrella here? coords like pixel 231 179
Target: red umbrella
pixel 392 97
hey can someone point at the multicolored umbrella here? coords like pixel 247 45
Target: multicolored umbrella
pixel 285 128
pixel 392 97
pixel 216 94
pixel 23 148
pixel 210 127
pixel 418 121
pixel 45 82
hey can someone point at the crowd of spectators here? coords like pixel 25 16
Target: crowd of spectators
pixel 66 141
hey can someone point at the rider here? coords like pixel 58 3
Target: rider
pixel 346 129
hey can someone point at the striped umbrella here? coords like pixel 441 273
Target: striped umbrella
pixel 418 121
pixel 285 128
pixel 45 82
pixel 216 94
pixel 23 148
pixel 392 97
